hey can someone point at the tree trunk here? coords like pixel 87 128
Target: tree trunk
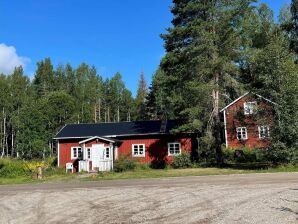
pixel 216 121
pixel 4 134
pixel 118 114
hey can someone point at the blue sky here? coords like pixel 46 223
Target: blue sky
pixel 113 35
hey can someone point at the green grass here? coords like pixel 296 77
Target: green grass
pixel 141 172
pixel 155 173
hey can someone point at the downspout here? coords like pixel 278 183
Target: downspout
pixel 58 154
pixel 225 125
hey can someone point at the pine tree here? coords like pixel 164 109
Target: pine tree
pixel 202 48
pixel 140 101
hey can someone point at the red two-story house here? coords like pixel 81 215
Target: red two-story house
pixel 248 122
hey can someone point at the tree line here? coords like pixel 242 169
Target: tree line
pixel 215 51
pixel 33 111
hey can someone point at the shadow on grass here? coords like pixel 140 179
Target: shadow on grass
pixel 248 166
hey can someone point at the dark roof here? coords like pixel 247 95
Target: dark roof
pixel 117 129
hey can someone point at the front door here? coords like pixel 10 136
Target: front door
pixel 102 158
pixel 97 155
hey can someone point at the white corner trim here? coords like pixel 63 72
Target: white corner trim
pixel 225 125
pixel 132 150
pixel 58 153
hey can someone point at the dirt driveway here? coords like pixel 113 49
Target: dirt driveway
pixel 252 198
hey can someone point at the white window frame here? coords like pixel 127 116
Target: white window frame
pixel 77 152
pixel 241 129
pixel 252 109
pixel 88 152
pixel 174 143
pixel 107 149
pixel 260 130
pixel 138 155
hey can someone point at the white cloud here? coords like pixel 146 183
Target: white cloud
pixel 9 59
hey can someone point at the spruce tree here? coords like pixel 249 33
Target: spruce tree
pixel 202 49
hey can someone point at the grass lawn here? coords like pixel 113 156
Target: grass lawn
pixel 143 173
pixel 155 173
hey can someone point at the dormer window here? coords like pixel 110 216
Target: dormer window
pixel 250 107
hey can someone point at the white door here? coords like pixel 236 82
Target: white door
pixel 97 155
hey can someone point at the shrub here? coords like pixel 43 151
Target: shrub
pixel 124 163
pixel 245 155
pixel 278 154
pixel 12 168
pixel 158 164
pixel 182 161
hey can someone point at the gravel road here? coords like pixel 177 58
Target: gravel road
pixel 250 198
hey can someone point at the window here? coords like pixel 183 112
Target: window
pixel 88 153
pixel 76 153
pixel 174 149
pixel 241 133
pixel 107 153
pixel 250 107
pixel 138 150
pixel 264 132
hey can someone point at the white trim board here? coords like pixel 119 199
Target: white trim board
pixel 95 137
pixel 244 96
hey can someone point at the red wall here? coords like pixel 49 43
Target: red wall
pixel 156 149
pixel 235 118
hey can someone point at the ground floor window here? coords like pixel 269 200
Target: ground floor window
pixel 107 153
pixel 88 153
pixel 264 132
pixel 76 153
pixel 174 149
pixel 241 133
pixel 138 150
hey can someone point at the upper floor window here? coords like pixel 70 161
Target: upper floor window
pixel 138 150
pixel 241 133
pixel 250 107
pixel 174 149
pixel 76 153
pixel 264 132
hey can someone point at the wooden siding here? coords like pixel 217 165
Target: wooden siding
pixel 235 117
pixel 156 149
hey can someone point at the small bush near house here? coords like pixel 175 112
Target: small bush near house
pixel 124 163
pixel 182 161
pixel 245 155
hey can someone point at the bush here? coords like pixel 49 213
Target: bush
pixel 278 154
pixel 158 164
pixel 245 155
pixel 12 168
pixel 182 161
pixel 124 163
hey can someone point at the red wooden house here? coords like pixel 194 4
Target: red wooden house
pixel 93 147
pixel 248 122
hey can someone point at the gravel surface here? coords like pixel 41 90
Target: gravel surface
pixel 251 198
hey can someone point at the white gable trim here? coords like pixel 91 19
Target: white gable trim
pixel 95 137
pixel 239 98
pixel 244 96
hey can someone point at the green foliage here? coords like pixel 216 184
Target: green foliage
pixel 12 168
pixel 124 163
pixel 182 161
pixel 245 155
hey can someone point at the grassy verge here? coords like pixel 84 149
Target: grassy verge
pixel 142 172
pixel 154 173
